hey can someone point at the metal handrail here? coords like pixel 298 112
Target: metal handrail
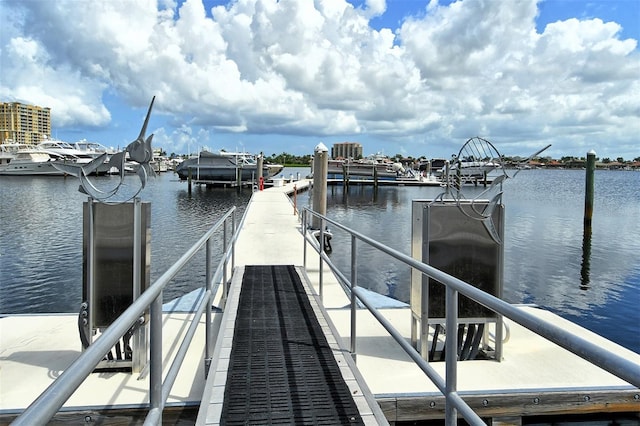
pixel 49 402
pixel 605 359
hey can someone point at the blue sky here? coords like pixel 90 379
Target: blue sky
pixel 624 12
pixel 401 76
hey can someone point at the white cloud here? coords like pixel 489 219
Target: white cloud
pixel 75 98
pixel 318 68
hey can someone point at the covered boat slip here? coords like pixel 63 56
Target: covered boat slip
pixel 535 377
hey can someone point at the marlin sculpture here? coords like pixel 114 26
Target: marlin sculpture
pixel 476 208
pixel 139 151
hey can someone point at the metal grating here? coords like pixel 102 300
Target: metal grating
pixel 282 371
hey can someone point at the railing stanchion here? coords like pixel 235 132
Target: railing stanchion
pixel 321 263
pixel 224 250
pixel 233 244
pixel 207 322
pixel 354 299
pixel 304 239
pixel 139 355
pixel 155 356
pixel 451 355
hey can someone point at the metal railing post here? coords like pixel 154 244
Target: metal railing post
pixel 91 265
pixel 354 299
pixel 207 322
pixel 451 355
pixel 224 250
pixel 304 238
pixel 321 263
pixel 233 243
pixel 155 356
pixel 139 356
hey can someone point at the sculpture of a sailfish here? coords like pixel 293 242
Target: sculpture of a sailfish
pixel 139 151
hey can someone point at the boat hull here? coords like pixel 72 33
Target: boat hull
pixel 28 163
pixel 337 169
pixel 213 173
pixel 224 168
pixel 44 169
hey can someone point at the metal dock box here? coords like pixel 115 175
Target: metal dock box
pixel 463 238
pixel 116 271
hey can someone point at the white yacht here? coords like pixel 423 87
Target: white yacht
pixel 8 151
pixel 25 160
pixel 94 150
pixel 66 150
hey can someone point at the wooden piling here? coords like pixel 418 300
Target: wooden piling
pixel 588 196
pixel 320 166
pixel 375 176
pixel 345 174
pixel 260 165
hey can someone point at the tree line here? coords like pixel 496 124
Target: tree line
pixel 306 160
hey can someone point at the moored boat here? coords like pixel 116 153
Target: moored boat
pixel 473 168
pixel 225 166
pixel 25 161
pixel 469 168
pixel 384 169
pixel 93 150
pixel 65 150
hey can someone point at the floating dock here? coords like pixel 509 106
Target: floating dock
pixel 534 378
pixel 401 181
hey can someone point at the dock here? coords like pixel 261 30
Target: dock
pixel 402 181
pixel 534 378
pixel 278 361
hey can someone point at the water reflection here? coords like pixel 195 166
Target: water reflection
pixel 42 261
pixel 586 258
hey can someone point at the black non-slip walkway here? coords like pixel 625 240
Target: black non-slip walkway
pixel 281 370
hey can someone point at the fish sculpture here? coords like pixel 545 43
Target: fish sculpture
pixel 139 151
pixel 481 152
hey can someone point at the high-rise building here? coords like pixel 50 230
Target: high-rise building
pixel 345 150
pixel 22 123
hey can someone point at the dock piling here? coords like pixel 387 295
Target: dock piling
pixel 375 177
pixel 260 165
pixel 588 214
pixel 320 166
pixel 588 196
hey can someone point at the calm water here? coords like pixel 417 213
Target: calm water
pixel 41 241
pixel 543 244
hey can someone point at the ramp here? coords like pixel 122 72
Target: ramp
pixel 281 368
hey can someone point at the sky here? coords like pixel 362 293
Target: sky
pixel 411 77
